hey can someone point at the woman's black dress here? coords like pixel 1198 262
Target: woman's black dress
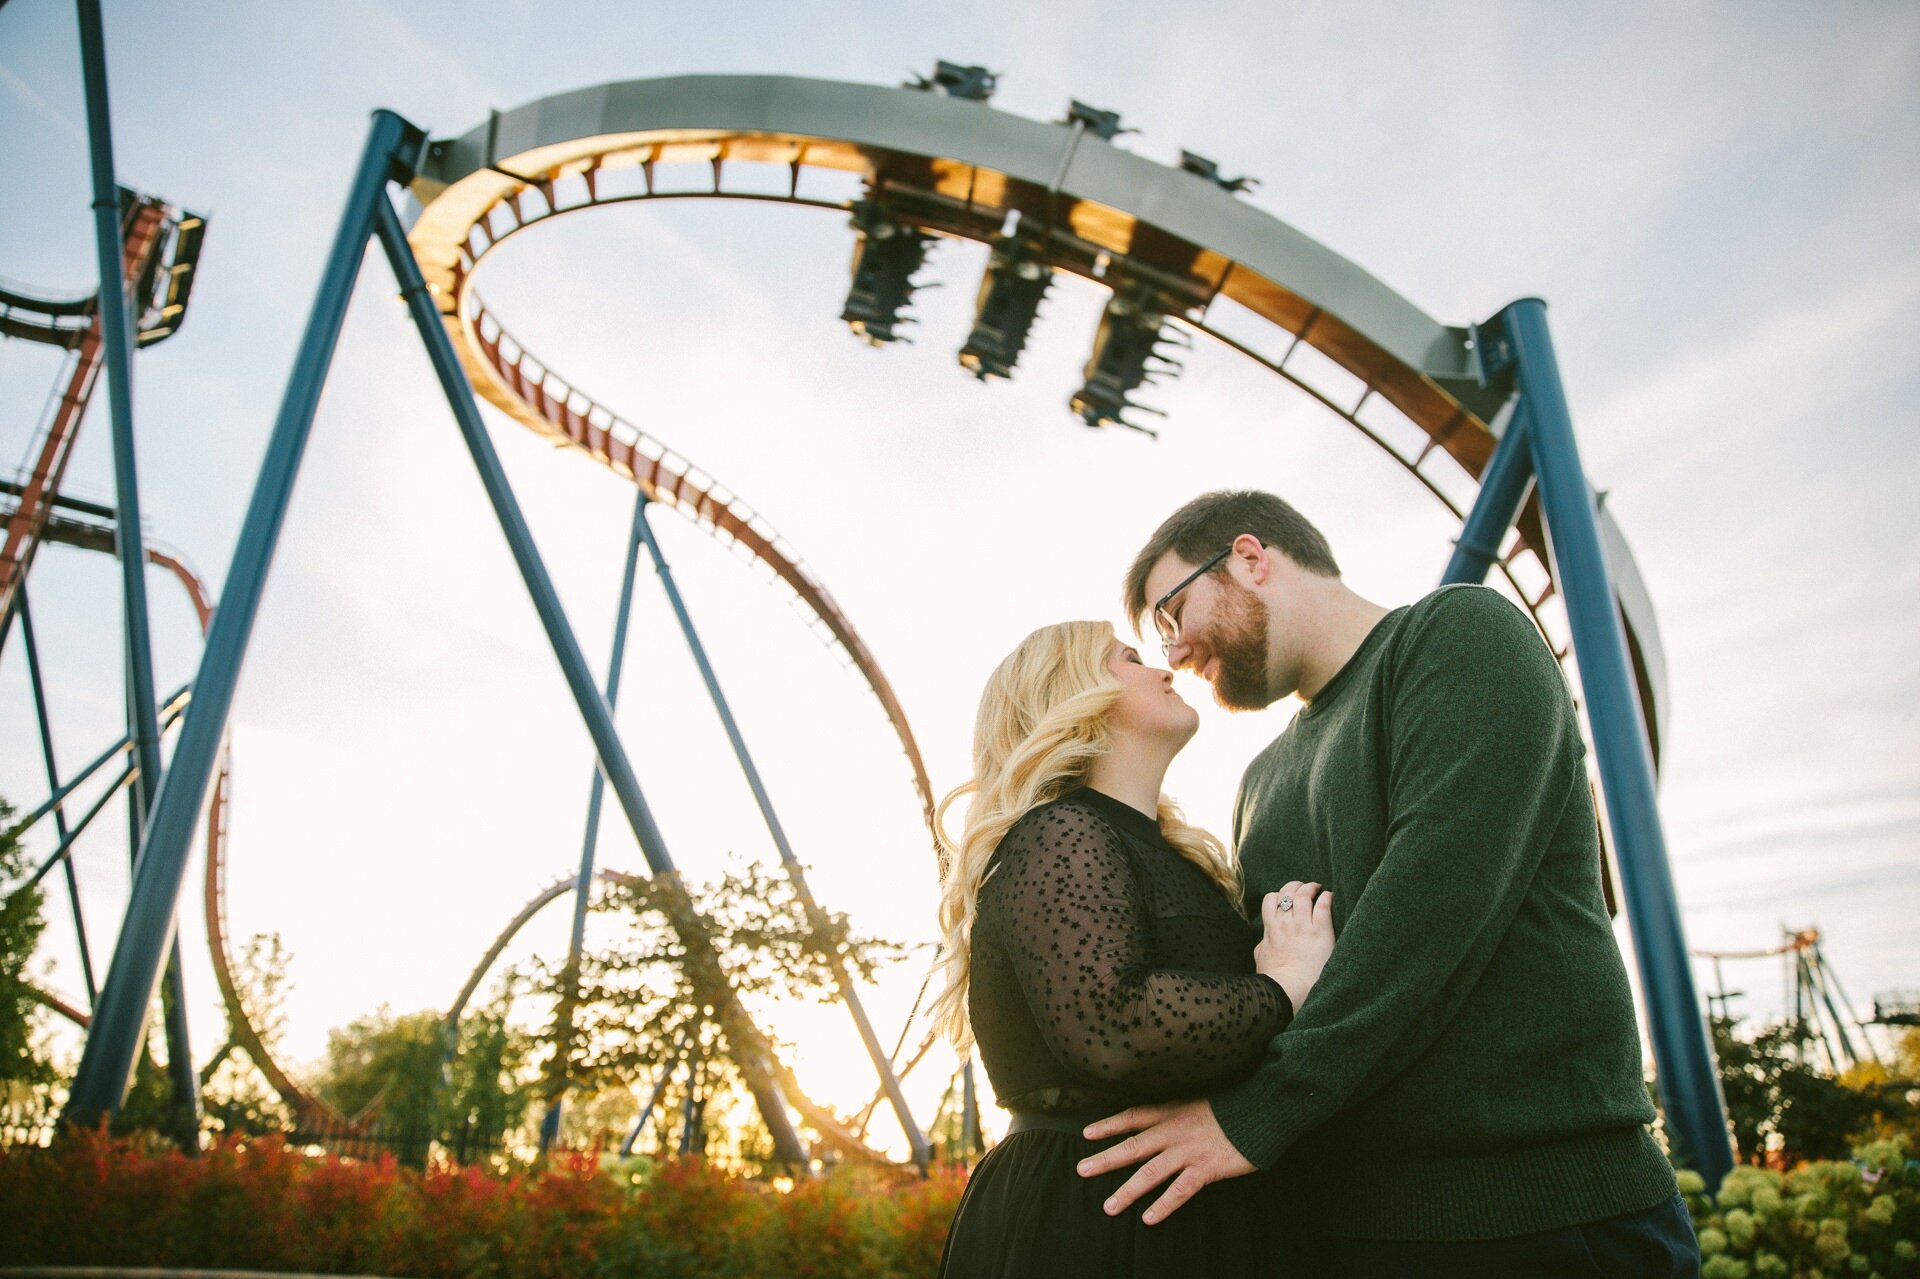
pixel 1109 971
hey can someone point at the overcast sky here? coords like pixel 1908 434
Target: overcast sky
pixel 1720 202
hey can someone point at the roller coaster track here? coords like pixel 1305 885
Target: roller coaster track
pixel 508 375
pixel 959 169
pixel 160 259
pixel 952 168
pixel 676 482
pixel 97 535
pixel 160 255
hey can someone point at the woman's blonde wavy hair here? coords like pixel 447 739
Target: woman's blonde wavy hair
pixel 1042 723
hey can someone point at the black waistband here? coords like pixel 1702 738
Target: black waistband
pixel 1067 1121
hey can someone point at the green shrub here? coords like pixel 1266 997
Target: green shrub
pixel 1823 1218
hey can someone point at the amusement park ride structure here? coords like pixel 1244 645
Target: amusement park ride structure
pixel 1813 998
pixel 1174 246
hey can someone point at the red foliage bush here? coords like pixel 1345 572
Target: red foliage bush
pixel 96 1200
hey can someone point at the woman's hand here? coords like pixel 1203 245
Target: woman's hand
pixel 1297 941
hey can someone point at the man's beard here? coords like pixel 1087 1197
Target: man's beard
pixel 1239 642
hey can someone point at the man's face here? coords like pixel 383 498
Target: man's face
pixel 1223 632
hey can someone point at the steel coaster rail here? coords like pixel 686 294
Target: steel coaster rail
pixel 86 534
pixel 112 1042
pixel 552 892
pixel 1424 370
pixel 960 169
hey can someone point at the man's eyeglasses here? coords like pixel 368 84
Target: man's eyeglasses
pixel 1164 620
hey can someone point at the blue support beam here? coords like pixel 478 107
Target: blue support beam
pixel 596 792
pixel 653 1100
pixel 106 1063
pixel 53 787
pixel 1503 491
pixel 614 763
pixel 1689 1085
pixel 816 918
pixel 63 851
pixel 116 341
pixel 81 778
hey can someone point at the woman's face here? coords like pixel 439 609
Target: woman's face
pixel 1147 703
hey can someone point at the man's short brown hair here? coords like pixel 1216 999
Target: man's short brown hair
pixel 1200 529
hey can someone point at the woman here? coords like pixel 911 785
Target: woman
pixel 1094 950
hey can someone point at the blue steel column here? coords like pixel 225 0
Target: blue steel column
pixel 107 1061
pixel 1503 491
pixel 583 885
pixel 816 919
pixel 116 340
pixel 75 782
pixel 653 1100
pixel 566 648
pixel 53 787
pixel 63 852
pixel 1683 1058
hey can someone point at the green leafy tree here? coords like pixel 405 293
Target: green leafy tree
pixel 393 1068
pixel 390 1063
pixel 489 1092
pixel 235 1095
pixel 644 1000
pixel 25 1074
pixel 1778 1102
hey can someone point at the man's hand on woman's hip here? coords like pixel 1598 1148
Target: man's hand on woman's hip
pixel 1180 1142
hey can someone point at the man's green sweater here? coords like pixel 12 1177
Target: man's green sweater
pixel 1467 1066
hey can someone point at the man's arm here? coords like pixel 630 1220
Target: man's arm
pixel 1481 768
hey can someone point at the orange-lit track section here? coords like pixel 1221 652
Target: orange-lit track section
pixel 961 168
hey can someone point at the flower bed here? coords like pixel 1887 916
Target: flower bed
pixel 261 1206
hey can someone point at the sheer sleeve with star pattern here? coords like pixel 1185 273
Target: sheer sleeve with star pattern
pixel 1135 968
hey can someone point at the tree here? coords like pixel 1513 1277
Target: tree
pixel 234 1092
pixel 394 1067
pixel 488 1097
pixel 389 1063
pixel 24 1072
pixel 639 1008
pixel 1782 1108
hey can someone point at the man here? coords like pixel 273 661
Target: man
pixel 1462 1090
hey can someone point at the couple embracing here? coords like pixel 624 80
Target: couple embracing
pixel 1388 1033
